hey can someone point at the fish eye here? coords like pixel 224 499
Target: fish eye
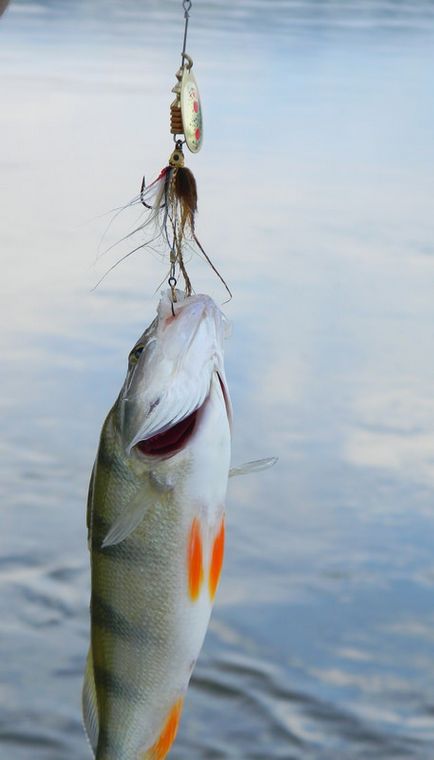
pixel 135 354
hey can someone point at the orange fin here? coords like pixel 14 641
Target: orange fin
pixel 216 560
pixel 163 745
pixel 195 561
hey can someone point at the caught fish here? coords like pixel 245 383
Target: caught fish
pixel 156 514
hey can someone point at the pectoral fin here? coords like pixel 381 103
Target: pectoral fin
pixel 129 519
pixel 256 466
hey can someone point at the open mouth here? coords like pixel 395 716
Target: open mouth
pixel 172 440
pixel 175 438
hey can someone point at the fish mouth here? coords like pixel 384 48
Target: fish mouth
pixel 173 439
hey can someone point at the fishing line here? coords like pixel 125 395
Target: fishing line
pixel 187 8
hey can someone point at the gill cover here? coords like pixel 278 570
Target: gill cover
pixel 171 374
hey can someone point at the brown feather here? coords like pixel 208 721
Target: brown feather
pixel 186 190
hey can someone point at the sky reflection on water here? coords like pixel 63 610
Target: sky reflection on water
pixel 315 191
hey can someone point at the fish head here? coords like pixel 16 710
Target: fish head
pixel 169 375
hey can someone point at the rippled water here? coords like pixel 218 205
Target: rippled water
pixel 316 186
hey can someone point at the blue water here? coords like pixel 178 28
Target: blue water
pixel 315 201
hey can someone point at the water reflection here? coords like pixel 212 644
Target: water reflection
pixel 315 186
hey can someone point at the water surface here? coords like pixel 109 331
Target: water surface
pixel 315 191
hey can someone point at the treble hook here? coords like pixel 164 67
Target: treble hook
pixel 172 281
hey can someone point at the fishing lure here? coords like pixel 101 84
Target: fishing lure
pixel 170 201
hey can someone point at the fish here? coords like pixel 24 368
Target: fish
pixel 156 529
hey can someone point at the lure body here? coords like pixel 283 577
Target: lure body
pixel 156 531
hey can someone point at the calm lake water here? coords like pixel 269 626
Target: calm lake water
pixel 316 203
